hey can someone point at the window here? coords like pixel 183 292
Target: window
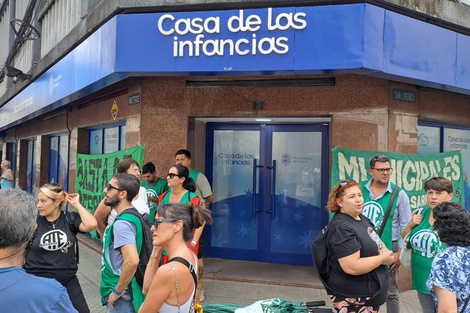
pixel 30 166
pixel 435 138
pixel 107 139
pixel 59 160
pixel 11 156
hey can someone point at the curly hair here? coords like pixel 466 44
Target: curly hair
pixel 452 223
pixel 337 192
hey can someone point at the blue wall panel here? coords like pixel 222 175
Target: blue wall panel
pixel 419 50
pixel 352 38
pixel 463 62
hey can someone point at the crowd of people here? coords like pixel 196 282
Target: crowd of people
pixel 39 246
pixel 364 239
pixel 363 245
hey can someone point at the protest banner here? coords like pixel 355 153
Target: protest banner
pixel 94 171
pixel 410 171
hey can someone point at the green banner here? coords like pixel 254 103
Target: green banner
pixel 94 171
pixel 410 171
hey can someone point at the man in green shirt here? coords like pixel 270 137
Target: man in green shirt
pixel 155 186
pixel 377 194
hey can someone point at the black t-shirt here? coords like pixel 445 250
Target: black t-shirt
pixel 52 252
pixel 346 237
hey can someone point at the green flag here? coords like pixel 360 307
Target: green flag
pixel 410 171
pixel 94 171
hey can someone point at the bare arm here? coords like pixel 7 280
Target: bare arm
pixel 152 199
pixel 9 175
pixel 160 289
pixel 208 200
pixel 88 220
pixel 355 265
pixel 197 234
pixel 101 212
pixel 416 219
pixel 130 260
pixel 447 300
pixel 152 268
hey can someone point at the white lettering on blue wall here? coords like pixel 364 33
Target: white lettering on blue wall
pixel 168 25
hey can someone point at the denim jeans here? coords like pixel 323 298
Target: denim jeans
pixel 121 306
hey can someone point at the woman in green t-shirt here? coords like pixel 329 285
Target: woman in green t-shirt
pixel 424 240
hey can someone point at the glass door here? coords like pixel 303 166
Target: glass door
pixel 269 183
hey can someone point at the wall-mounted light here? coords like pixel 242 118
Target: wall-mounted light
pixel 17 74
pixel 263 120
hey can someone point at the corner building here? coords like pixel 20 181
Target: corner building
pixel 258 92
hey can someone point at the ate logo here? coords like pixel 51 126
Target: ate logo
pixel 373 211
pixel 152 193
pixel 55 240
pixel 425 241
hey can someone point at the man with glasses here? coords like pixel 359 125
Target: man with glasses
pixel 105 215
pixel 377 194
pixel 122 242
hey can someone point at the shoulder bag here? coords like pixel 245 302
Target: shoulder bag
pixel 389 210
pixel 405 255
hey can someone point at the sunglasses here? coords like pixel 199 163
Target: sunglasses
pixel 342 184
pixel 172 175
pixel 109 187
pixel 161 220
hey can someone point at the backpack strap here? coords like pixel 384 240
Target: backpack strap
pixel 389 210
pixel 71 222
pixel 188 265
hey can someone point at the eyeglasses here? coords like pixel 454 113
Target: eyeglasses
pixel 109 187
pixel 172 175
pixel 383 170
pixel 161 220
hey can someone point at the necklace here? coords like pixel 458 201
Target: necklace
pixel 54 222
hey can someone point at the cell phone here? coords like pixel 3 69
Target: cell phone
pixel 420 210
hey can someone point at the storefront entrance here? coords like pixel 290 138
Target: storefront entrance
pixel 270 183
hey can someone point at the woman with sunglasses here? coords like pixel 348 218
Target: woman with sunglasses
pixel 171 287
pixel 182 190
pixel 358 257
pixel 52 251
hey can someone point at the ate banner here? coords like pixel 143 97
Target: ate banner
pixel 410 171
pixel 94 171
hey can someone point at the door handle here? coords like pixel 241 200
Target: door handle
pixel 255 202
pixel 273 193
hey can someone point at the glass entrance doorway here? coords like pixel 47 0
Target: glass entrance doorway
pixel 270 183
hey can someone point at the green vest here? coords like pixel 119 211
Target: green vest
pixel 375 211
pixel 109 279
pixel 186 199
pixel 154 190
pixel 426 244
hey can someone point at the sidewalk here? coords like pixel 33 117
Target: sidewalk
pixel 231 281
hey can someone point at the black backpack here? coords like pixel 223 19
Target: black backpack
pixel 147 244
pixel 320 257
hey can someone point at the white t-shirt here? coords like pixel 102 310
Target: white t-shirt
pixel 141 204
